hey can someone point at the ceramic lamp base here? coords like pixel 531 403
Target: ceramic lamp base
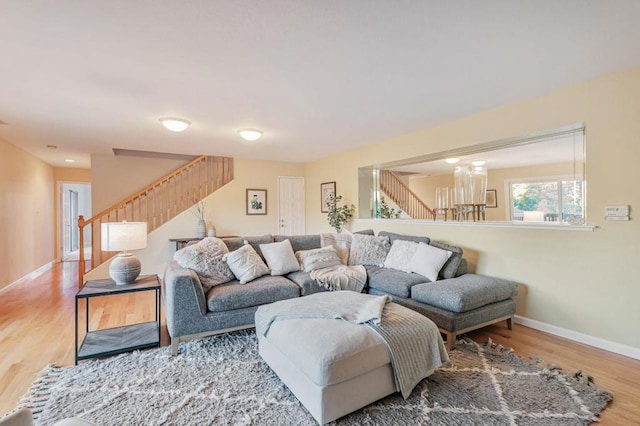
pixel 124 268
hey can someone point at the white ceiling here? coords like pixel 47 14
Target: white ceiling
pixel 318 77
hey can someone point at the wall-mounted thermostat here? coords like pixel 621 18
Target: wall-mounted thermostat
pixel 616 213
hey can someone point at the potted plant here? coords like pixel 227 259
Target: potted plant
pixel 385 211
pixel 339 215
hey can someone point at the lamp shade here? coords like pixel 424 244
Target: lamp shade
pixel 122 236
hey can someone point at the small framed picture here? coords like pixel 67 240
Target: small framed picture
pixel 327 189
pixel 256 201
pixel 492 198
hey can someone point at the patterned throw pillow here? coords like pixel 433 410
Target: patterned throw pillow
pixel 400 255
pixel 368 250
pixel 205 259
pixel 428 260
pixel 341 242
pixel 313 259
pixel 246 264
pixel 280 257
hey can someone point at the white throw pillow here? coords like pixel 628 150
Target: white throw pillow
pixel 400 255
pixel 368 250
pixel 428 260
pixel 313 259
pixel 246 264
pixel 205 259
pixel 280 257
pixel 341 242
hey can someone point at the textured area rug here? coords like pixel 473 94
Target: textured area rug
pixel 223 380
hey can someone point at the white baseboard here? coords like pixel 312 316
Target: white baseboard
pixel 30 276
pixel 596 342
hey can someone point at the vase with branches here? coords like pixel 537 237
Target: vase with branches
pixel 198 211
pixel 339 215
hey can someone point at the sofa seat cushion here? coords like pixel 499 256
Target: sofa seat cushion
pixel 465 293
pixel 307 284
pixel 329 351
pixel 266 289
pixel 392 281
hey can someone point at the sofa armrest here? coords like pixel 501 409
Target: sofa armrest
pixel 184 298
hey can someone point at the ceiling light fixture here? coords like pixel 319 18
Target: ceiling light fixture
pixel 69 160
pixel 451 160
pixel 175 124
pixel 250 134
pixel 478 163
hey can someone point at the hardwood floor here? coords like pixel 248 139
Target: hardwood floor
pixel 37 329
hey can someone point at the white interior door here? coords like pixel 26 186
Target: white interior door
pixel 291 205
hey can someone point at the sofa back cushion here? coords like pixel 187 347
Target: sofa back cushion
pixel 300 242
pixel 450 269
pixel 393 237
pixel 235 243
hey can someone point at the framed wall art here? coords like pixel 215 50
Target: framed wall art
pixel 256 201
pixel 327 189
pixel 492 198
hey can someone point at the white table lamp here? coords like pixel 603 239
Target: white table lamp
pixel 123 236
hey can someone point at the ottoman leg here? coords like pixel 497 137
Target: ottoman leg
pixel 510 323
pixel 175 342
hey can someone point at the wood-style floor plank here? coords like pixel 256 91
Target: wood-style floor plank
pixel 37 329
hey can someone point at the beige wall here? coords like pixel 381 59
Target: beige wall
pixel 425 186
pixel 225 209
pixel 114 178
pixel 580 281
pixel 26 213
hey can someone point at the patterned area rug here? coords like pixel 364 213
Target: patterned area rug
pixel 223 380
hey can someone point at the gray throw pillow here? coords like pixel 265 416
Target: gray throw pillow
pixel 368 250
pixel 450 268
pixel 206 259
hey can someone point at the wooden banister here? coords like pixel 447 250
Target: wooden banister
pixel 157 203
pixel 403 196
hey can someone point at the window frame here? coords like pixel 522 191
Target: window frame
pixel 508 183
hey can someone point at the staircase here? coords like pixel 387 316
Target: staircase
pixel 157 203
pixel 404 197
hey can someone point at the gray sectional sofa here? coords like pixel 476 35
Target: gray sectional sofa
pixel 457 302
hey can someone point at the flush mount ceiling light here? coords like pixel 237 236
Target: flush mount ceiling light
pixel 175 124
pixel 250 134
pixel 451 160
pixel 478 163
pixel 69 160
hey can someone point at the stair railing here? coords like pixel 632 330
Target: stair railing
pixel 156 204
pixel 404 197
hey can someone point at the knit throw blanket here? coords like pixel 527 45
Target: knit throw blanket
pixel 414 343
pixel 341 277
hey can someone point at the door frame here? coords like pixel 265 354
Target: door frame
pixel 59 214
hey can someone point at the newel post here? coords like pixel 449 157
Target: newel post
pixel 81 266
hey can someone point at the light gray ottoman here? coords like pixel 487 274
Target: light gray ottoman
pixel 333 367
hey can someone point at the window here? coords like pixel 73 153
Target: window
pixel 547 200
